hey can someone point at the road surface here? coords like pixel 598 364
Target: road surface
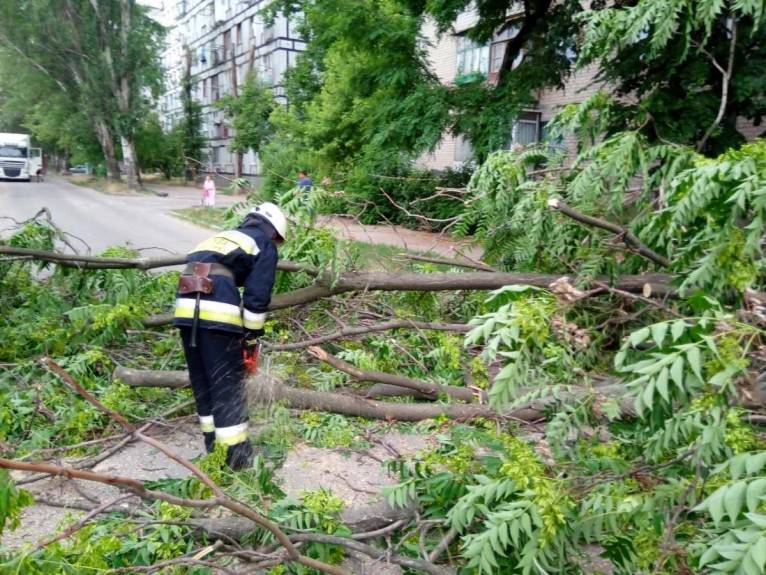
pixel 144 221
pixel 103 220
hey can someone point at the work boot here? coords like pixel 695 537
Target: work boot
pixel 240 456
pixel 209 441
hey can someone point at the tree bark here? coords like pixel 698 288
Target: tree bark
pixel 105 138
pixel 263 390
pixel 129 161
pixel 99 262
pixel 658 284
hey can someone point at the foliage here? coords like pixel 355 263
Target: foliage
pixel 101 59
pixel 78 318
pixel 12 501
pixel 669 55
pixel 249 113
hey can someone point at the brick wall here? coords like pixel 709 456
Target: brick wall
pixel 577 88
pixel 441 55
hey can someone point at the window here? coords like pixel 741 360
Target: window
pixel 526 129
pixel 472 60
pixel 204 89
pixel 499 43
pixel 214 94
pixel 226 44
pixel 239 34
pixel 215 155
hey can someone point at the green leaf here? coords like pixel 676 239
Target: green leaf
pixel 662 384
pixel 758 553
pixel 735 499
pixel 755 491
pixel 714 505
pixel 755 462
pixel 639 336
pixel 677 372
pixel 658 332
pixel 648 394
pixel 694 358
pixel 677 329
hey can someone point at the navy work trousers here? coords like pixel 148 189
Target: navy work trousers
pixel 216 370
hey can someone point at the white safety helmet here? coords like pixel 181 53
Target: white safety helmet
pixel 274 216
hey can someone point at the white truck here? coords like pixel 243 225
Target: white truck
pixel 18 160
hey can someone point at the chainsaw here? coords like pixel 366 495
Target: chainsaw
pixel 251 358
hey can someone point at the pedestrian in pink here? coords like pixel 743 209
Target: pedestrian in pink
pixel 208 192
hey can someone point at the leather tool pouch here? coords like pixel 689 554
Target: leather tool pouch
pixel 198 282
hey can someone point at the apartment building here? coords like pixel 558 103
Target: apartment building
pixel 456 59
pixel 219 42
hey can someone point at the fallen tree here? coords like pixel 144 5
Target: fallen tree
pixel 656 284
pixel 264 390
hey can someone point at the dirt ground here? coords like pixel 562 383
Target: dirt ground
pixel 356 476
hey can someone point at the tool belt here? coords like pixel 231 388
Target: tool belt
pixel 196 277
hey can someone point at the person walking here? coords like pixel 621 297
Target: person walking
pixel 218 326
pixel 304 182
pixel 304 189
pixel 208 192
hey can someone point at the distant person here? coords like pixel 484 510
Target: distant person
pixel 304 182
pixel 208 192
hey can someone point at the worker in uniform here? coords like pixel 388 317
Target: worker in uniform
pixel 216 323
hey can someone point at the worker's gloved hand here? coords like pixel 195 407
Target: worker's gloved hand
pixel 251 338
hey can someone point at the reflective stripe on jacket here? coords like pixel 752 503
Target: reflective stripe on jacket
pixel 250 254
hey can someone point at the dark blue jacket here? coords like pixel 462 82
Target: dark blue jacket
pixel 250 254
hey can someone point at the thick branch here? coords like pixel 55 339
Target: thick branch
pixel 534 16
pixel 268 391
pixel 626 235
pixel 363 329
pixel 430 389
pixel 382 281
pixel 98 262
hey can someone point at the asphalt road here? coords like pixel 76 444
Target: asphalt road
pixel 103 220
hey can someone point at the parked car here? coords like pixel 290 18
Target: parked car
pixel 80 169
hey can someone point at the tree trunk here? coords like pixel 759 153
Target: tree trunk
pixel 106 140
pixel 264 390
pixel 129 160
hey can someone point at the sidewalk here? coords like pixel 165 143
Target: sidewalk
pixel 381 234
pixel 193 194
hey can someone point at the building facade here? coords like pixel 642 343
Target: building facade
pixel 219 42
pixel 456 59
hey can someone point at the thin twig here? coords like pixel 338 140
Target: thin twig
pixel 725 81
pixel 72 529
pixel 623 233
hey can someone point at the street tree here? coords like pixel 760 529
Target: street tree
pixel 248 112
pixel 101 54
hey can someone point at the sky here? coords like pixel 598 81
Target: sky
pixel 161 10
